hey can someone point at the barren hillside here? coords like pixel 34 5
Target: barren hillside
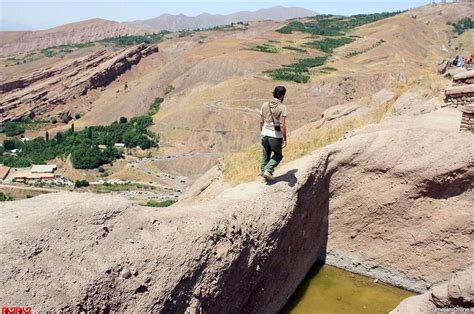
pixel 378 209
pixel 216 81
pixel 84 31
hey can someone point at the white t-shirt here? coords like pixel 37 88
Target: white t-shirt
pixel 268 127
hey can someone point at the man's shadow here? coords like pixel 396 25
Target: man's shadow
pixel 287 177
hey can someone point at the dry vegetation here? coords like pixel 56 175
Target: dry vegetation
pixel 244 166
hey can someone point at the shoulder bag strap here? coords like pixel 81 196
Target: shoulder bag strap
pixel 271 113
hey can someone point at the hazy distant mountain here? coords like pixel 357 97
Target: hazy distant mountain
pixel 180 22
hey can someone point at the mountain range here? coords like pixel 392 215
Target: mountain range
pixel 96 29
pixel 205 20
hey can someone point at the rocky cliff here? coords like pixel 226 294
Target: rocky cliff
pixel 42 91
pixel 393 201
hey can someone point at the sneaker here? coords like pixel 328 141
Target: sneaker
pixel 268 176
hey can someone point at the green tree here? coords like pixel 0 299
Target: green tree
pixel 13 128
pixel 46 136
pixel 89 133
pixel 10 144
pixel 81 183
pixel 86 157
pixel 59 137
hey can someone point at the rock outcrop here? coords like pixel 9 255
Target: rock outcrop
pixel 462 91
pixel 394 200
pixel 40 92
pixel 456 294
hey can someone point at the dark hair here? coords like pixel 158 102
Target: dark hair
pixel 279 92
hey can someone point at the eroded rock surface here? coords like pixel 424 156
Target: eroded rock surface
pixel 456 295
pixel 393 201
pixel 42 91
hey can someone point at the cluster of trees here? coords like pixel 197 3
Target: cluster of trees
pixel 294 48
pixel 297 72
pixel 328 45
pixel 155 203
pixel 222 28
pixel 14 128
pixel 81 183
pixel 462 25
pixel 63 49
pixel 83 146
pixel 358 52
pixel 155 106
pixel 130 40
pixel 169 89
pixel 11 128
pixel 265 48
pixel 225 28
pixel 4 197
pixel 331 25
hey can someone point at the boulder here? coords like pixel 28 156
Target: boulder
pixel 439 295
pixel 460 289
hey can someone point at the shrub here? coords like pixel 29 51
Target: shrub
pixel 131 40
pixel 169 89
pixel 328 45
pixel 10 144
pixel 4 197
pixel 77 115
pixel 81 183
pixel 358 52
pixel 294 48
pixel 463 25
pixel 13 128
pixel 155 106
pixel 265 48
pixel 297 72
pixel 155 203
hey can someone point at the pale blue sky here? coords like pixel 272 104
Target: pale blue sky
pixel 33 15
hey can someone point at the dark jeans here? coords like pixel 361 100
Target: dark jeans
pixel 271 153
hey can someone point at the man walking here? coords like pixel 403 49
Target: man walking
pixel 273 130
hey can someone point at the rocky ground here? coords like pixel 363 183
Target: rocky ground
pixel 456 295
pixel 393 201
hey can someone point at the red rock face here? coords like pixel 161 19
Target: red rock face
pixel 39 92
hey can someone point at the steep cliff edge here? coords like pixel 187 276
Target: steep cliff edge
pixel 393 200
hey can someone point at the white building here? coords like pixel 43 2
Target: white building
pixel 43 168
